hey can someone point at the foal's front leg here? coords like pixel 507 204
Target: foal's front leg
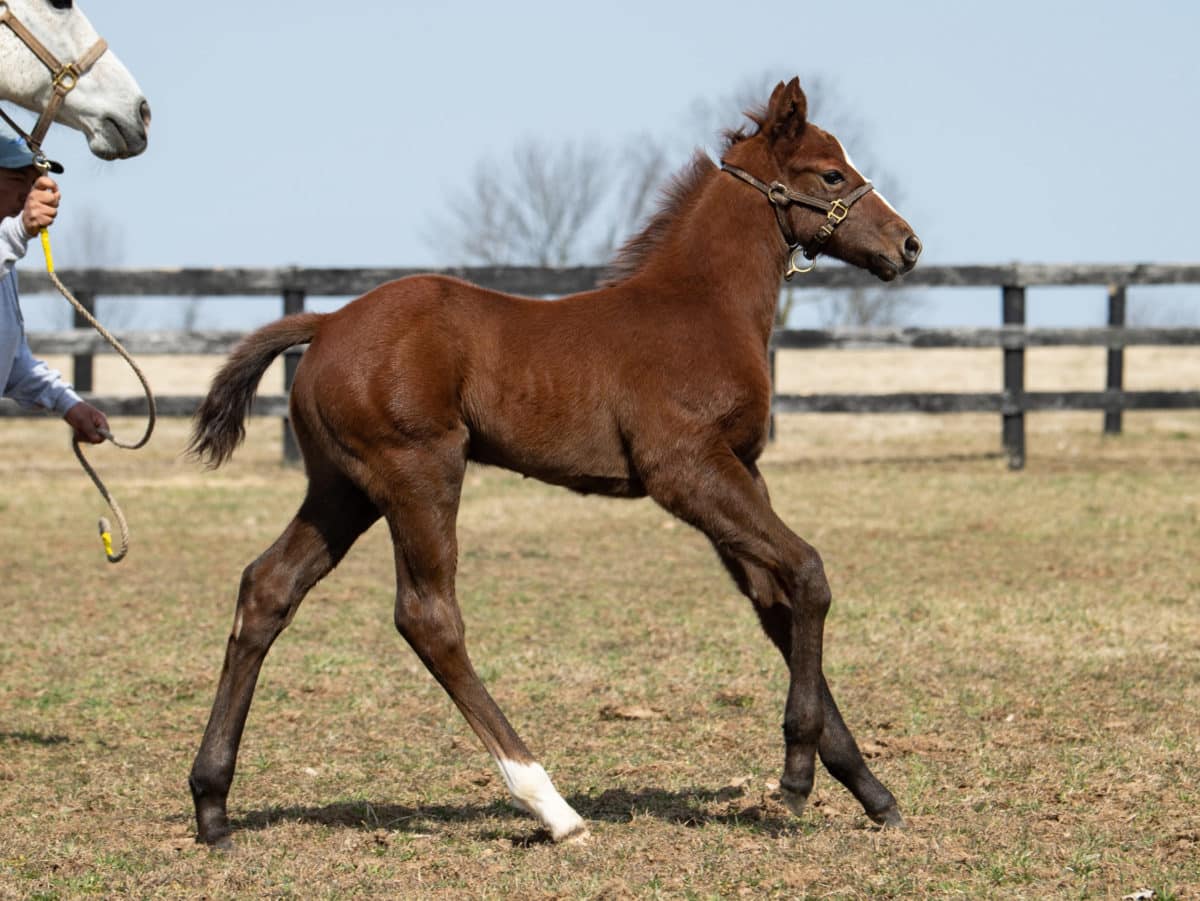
pixel 721 497
pixel 838 749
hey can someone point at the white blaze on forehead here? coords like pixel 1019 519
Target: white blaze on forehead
pixel 846 154
pixel 876 191
pixel 534 792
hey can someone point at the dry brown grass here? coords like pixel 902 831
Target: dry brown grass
pixel 1018 653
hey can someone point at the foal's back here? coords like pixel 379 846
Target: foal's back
pixel 571 391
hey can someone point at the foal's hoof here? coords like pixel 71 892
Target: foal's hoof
pixel 889 818
pixel 578 836
pixel 222 842
pixel 793 800
pixel 571 828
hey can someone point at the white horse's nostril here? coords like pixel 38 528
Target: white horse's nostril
pixel 144 111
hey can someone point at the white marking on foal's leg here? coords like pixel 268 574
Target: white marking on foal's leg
pixel 535 793
pixel 237 626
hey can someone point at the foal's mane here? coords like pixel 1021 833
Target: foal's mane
pixel 676 198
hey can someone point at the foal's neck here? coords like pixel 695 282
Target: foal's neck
pixel 728 252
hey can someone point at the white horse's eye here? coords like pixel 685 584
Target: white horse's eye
pixel 61 4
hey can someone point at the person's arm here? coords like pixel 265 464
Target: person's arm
pixel 14 241
pixel 33 384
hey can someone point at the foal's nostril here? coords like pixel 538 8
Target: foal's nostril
pixel 912 248
pixel 144 112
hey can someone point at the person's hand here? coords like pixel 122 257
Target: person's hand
pixel 41 206
pixel 87 422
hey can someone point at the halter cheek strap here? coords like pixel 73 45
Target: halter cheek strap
pixel 782 197
pixel 64 76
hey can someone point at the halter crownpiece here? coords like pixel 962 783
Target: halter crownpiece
pixel 781 197
pixel 63 77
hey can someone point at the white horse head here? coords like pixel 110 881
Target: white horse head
pixel 106 104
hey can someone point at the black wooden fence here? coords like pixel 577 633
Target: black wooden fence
pixel 295 285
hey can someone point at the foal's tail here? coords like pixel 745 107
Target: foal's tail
pixel 220 423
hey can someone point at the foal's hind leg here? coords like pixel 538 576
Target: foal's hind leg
pixel 425 485
pixel 332 516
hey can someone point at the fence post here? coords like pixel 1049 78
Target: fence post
pixel 82 377
pixel 1014 380
pixel 1116 357
pixel 771 422
pixel 293 302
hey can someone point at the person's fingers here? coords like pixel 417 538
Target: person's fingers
pixel 39 215
pixel 101 423
pixel 84 429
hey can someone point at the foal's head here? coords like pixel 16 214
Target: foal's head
pixel 807 167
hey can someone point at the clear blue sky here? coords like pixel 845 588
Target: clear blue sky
pixel 330 133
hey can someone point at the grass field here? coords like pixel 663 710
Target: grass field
pixel 1018 653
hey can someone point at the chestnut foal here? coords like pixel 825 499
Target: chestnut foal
pixel 653 384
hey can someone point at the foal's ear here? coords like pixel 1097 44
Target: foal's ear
pixel 787 112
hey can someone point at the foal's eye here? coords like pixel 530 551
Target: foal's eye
pixel 833 177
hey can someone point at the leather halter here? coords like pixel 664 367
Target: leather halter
pixel 64 77
pixel 781 197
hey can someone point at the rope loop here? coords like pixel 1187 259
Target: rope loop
pixel 118 515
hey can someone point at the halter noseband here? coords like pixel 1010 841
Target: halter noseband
pixel 63 75
pixel 781 197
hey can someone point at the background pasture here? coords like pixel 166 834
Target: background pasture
pixel 1018 653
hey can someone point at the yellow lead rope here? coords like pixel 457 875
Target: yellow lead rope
pixel 105 529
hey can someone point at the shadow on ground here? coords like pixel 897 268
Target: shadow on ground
pixel 691 807
pixel 33 738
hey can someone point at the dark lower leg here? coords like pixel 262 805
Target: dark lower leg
pixel 837 748
pixel 785 579
pixel 841 756
pixel 212 770
pixel 271 590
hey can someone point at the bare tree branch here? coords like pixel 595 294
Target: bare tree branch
pixel 554 205
pixel 535 209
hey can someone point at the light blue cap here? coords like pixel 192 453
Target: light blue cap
pixel 14 153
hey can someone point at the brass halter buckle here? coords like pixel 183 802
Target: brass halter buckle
pixel 66 78
pixel 837 212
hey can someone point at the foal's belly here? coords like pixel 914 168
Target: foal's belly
pixel 595 465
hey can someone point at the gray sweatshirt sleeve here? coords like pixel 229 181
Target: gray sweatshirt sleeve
pixel 27 380
pixel 13 242
pixel 34 384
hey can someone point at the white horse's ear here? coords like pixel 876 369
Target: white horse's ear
pixel 787 112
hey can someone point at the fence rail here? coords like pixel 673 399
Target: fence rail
pixel 337 282
pixel 295 284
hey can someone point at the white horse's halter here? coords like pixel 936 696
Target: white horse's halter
pixel 63 75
